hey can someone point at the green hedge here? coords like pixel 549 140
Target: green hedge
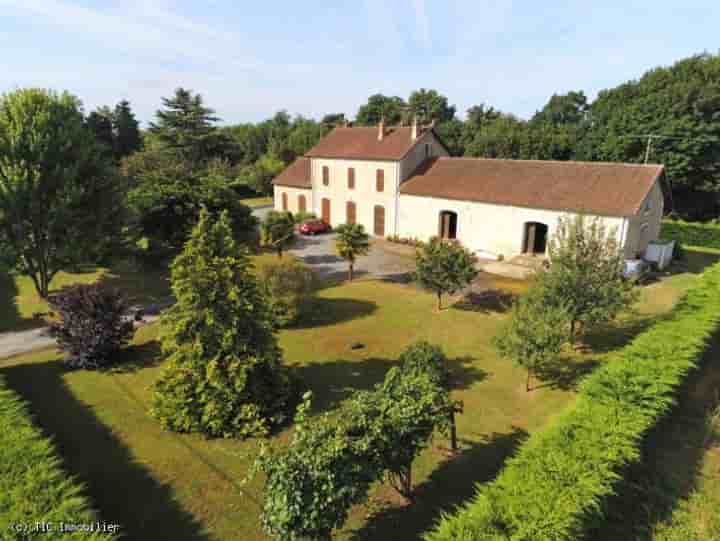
pixel 33 487
pixel 556 486
pixel 705 234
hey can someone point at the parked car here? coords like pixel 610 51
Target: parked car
pixel 313 227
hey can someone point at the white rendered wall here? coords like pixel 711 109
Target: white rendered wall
pixel 293 194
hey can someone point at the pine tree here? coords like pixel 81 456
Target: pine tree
pixel 100 123
pixel 224 376
pixel 127 133
pixel 186 124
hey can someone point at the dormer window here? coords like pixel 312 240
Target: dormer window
pixel 326 175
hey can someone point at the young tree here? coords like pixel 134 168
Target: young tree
pixel 127 132
pixel 59 201
pixel 425 358
pixel 278 230
pixel 186 125
pixel 351 243
pixel 224 377
pixel 586 273
pixel 535 333
pixel 92 325
pixel 444 267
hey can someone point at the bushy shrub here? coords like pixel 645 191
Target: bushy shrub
pixel 705 234
pixel 225 376
pixel 288 284
pixel 332 461
pixel 33 487
pixel 556 485
pixel 277 231
pixel 92 325
pixel 301 217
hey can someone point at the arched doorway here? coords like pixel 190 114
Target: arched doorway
pixel 534 238
pixel 448 225
pixel 350 212
pixel 284 201
pixel 325 210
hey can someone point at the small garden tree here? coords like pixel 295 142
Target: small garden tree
pixel 444 267
pixel 352 241
pixel 277 230
pixel 224 376
pixel 92 325
pixel 586 273
pixel 288 283
pixel 425 358
pixel 535 333
pixel 311 485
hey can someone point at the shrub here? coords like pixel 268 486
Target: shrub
pixel 702 234
pixel 277 231
pixel 556 485
pixel 33 487
pixel 444 267
pixel 300 217
pixel 92 324
pixel 288 284
pixel 224 376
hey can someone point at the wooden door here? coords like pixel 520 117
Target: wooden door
pixel 302 204
pixel 350 213
pixel 284 201
pixel 379 228
pixel 326 210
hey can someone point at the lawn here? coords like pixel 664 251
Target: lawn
pixel 163 485
pixel 19 301
pixel 254 202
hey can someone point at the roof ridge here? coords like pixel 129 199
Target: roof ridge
pixel 581 162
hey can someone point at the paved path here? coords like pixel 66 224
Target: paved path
pixel 318 252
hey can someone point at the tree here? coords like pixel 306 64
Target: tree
pixel 425 358
pixel 350 243
pixel 224 375
pixel 127 132
pixel 380 107
pixel 586 273
pixel 92 325
pixel 570 108
pixel 430 105
pixel 185 124
pixel 59 202
pixel 259 176
pixel 277 230
pixel 444 267
pixel 100 123
pixel 333 119
pixel 287 284
pixel 534 335
pixel 304 134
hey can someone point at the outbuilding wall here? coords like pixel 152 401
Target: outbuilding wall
pixel 293 194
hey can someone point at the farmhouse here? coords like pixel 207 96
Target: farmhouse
pixel 401 181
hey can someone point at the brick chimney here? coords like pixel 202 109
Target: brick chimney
pixel 381 129
pixel 414 129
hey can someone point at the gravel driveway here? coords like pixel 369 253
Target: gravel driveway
pixel 318 252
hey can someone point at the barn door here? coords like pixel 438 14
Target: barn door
pixel 379 228
pixel 326 210
pixel 350 212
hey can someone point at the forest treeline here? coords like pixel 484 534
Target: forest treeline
pixel 676 109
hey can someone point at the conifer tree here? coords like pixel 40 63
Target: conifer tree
pixel 224 377
pixel 127 133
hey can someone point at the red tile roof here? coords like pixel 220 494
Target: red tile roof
pixel 295 175
pixel 362 143
pixel 610 189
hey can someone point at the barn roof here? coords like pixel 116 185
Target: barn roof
pixel 362 143
pixel 295 175
pixel 610 189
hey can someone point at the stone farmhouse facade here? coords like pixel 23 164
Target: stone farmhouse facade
pixel 402 181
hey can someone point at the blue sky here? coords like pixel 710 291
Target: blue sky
pixel 310 57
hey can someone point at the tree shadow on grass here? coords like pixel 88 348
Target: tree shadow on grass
pixel 464 373
pixel 615 335
pixel 488 301
pixel 318 312
pixel 10 318
pixel 565 373
pixel 671 463
pixel 122 489
pixel 452 483
pixel 135 357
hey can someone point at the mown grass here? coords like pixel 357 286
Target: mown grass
pixel 163 485
pixel 254 202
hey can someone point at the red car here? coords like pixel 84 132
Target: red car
pixel 313 227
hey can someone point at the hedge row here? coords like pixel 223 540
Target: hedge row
pixel 556 486
pixel 706 234
pixel 34 490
